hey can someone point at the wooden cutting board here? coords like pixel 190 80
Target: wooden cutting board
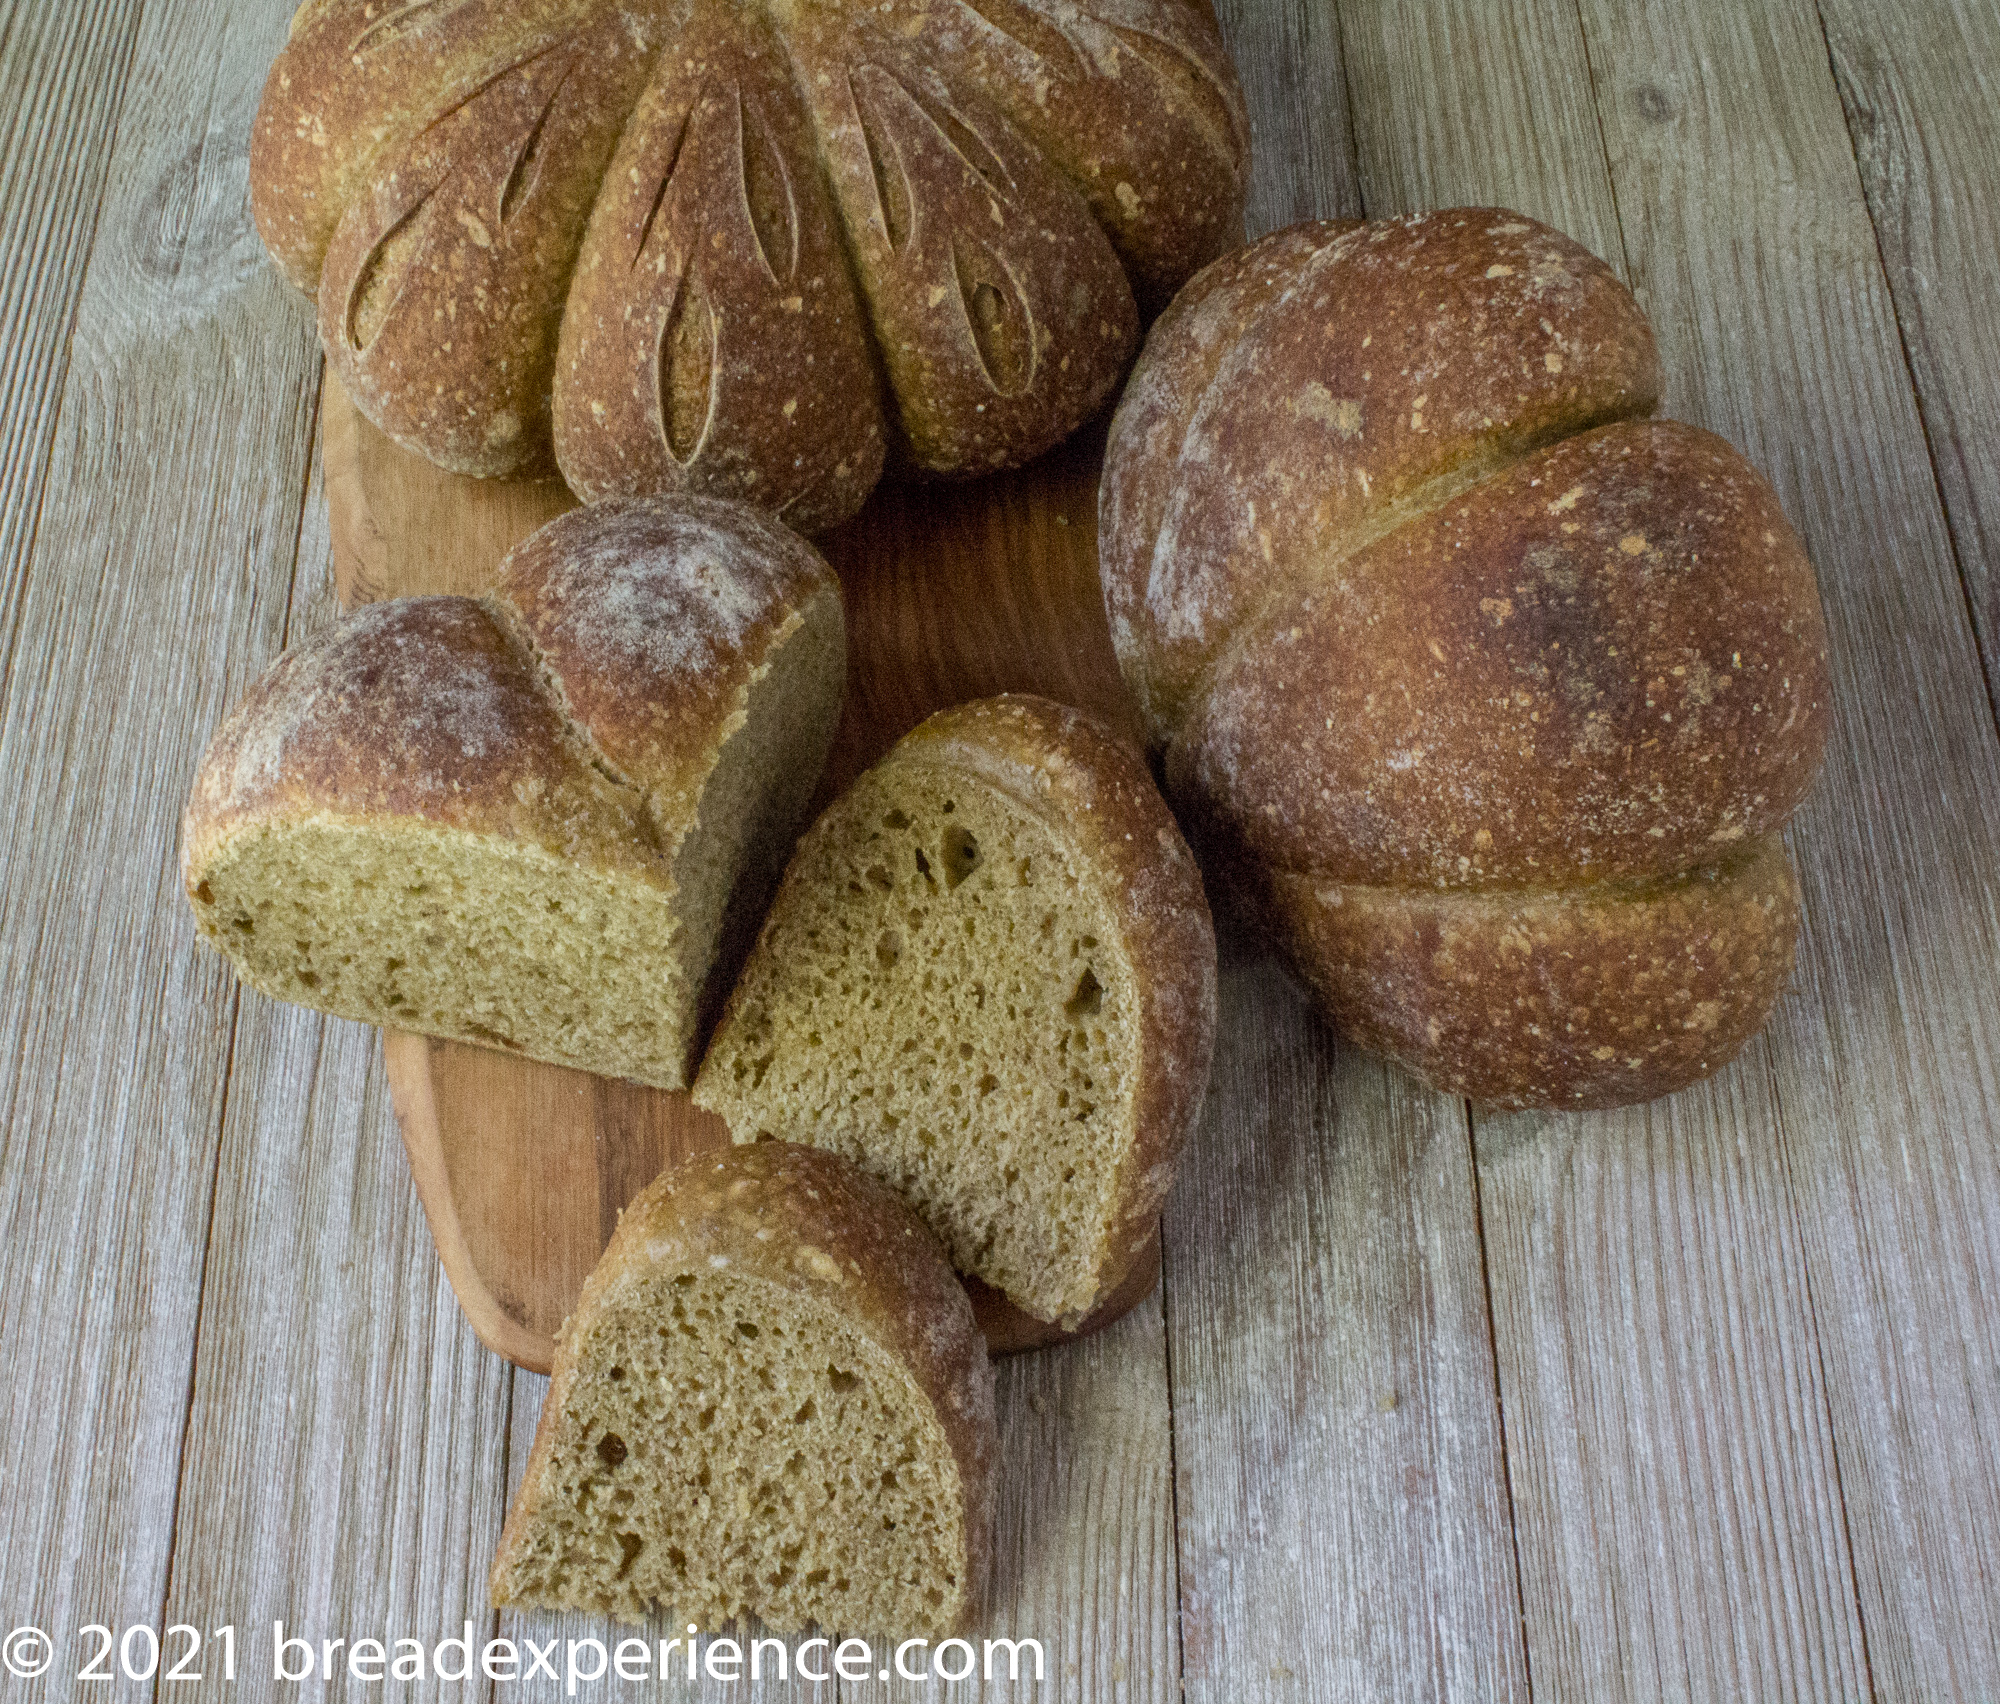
pixel 953 592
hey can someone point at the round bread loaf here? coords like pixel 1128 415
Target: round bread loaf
pixel 1491 692
pixel 742 249
pixel 532 820
pixel 771 1399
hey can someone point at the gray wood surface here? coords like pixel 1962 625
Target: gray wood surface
pixel 1694 1401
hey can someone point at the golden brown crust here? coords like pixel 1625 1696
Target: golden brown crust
pixel 1073 772
pixel 1437 636
pixel 1399 355
pixel 1607 661
pixel 649 617
pixel 701 197
pixel 816 1227
pixel 1572 997
pixel 416 709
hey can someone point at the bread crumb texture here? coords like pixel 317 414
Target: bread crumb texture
pixel 771 1400
pixel 1492 692
pixel 955 989
pixel 743 249
pixel 530 820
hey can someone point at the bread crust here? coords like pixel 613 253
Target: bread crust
pixel 579 707
pixel 816 1227
pixel 691 245
pixel 1440 639
pixel 1070 770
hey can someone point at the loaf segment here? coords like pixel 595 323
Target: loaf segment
pixel 1365 378
pixel 746 250
pixel 525 820
pixel 771 1399
pixel 989 979
pixel 1489 692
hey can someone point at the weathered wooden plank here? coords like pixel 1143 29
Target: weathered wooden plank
pixel 1921 86
pixel 1671 1452
pixel 156 585
pixel 377 1420
pixel 62 74
pixel 1340 1481
pixel 1744 217
pixel 1342 1494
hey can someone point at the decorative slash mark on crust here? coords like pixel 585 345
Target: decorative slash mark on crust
pixel 1193 82
pixel 1041 36
pixel 527 166
pixel 687 371
pixel 394 23
pixel 379 280
pixel 893 199
pixel 767 192
pixel 666 180
pixel 996 310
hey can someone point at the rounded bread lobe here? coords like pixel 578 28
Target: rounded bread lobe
pixel 819 1228
pixel 1403 357
pixel 649 617
pixel 444 283
pixel 713 340
pixel 1573 997
pixel 417 708
pixel 1070 769
pixel 1142 458
pixel 1607 661
pixel 657 240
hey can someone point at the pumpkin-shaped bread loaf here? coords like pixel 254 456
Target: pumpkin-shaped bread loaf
pixel 738 248
pixel 1492 692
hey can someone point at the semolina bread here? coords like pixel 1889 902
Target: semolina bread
pixel 989 978
pixel 529 819
pixel 771 1399
pixel 1489 693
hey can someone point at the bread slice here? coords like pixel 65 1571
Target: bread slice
pixel 525 819
pixel 771 1399
pixel 988 977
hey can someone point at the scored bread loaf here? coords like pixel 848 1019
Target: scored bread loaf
pixel 529 819
pixel 989 978
pixel 743 249
pixel 1491 692
pixel 771 1399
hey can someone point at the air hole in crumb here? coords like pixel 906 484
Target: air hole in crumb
pixel 678 1557
pixel 705 1419
pixel 684 1280
pixel 631 1544
pixel 617 1374
pixel 309 979
pixel 205 894
pixel 1088 997
pixel 611 1449
pixel 879 875
pixel 988 1083
pixel 840 1380
pixel 924 867
pixel 961 856
pixel 745 1329
pixel 896 820
pixel 889 1479
pixel 889 948
pixel 807 1410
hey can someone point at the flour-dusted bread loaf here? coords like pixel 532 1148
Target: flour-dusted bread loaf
pixel 989 978
pixel 771 1399
pixel 743 249
pixel 527 819
pixel 1492 692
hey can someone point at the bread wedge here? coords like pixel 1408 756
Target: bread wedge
pixel 772 1400
pixel 526 819
pixel 989 978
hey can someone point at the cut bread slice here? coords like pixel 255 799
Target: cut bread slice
pixel 529 820
pixel 989 978
pixel 772 1400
